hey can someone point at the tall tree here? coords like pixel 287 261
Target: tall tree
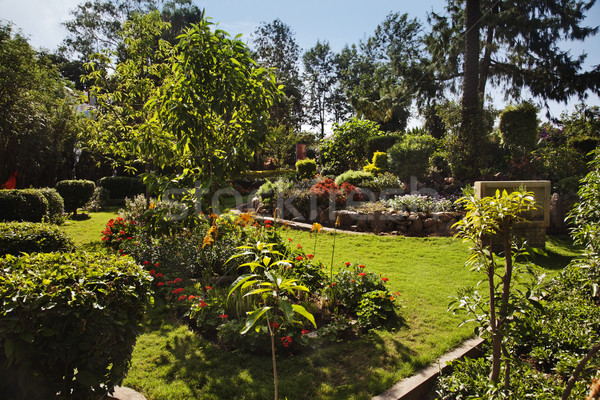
pixel 38 123
pixel 518 46
pixel 377 75
pixel 275 47
pixel 319 79
pixel 97 24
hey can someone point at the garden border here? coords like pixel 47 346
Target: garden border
pixel 419 385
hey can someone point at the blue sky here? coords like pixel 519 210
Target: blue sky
pixel 336 21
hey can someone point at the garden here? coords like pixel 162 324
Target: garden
pixel 151 241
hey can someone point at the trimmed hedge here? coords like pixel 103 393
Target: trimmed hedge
pixel 306 169
pixel 75 193
pixel 69 323
pixel 381 143
pixel 120 187
pixel 353 177
pixel 56 204
pixel 23 205
pixel 30 237
pixel 275 173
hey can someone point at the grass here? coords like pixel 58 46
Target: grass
pixel 86 232
pixel 171 362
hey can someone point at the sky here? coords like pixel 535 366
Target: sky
pixel 336 21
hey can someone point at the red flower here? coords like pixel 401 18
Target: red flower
pixel 361 274
pixel 299 258
pixel 274 325
pixel 202 304
pixel 290 239
pixel 224 316
pixel 122 233
pixel 332 285
pixel 304 331
pixel 146 262
pixel 156 265
pixel 384 279
pixel 268 226
pixel 351 280
pixel 310 256
pixel 268 221
pixel 159 275
pixel 129 238
pixel 361 266
pixel 191 297
pixel 348 264
pixel 181 298
pixel 161 284
pixel 299 246
pixel 286 341
pixel 208 287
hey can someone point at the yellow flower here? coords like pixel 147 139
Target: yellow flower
pixel 208 240
pixel 316 227
pixel 246 218
pixel 213 229
pixel 151 206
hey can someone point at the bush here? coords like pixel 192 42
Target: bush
pixel 354 177
pixel 384 182
pixel 69 323
pixel 410 156
pixel 270 191
pixel 99 200
pixel 75 193
pixel 306 169
pixel 119 187
pixel 56 205
pixel 381 144
pixel 347 147
pixel 30 237
pixel 23 205
pixel 378 165
pixel 519 128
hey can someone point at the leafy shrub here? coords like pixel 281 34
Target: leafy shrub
pixel 75 193
pixel 99 200
pixel 69 323
pixel 118 230
pixel 379 164
pixel 32 237
pixel 270 191
pixel 56 205
pixel 23 205
pixel 374 308
pixel 306 169
pixel 326 189
pixel 519 128
pixel 353 177
pixel 119 187
pixel 381 144
pixel 382 182
pixel 277 173
pixel 410 156
pixel 347 147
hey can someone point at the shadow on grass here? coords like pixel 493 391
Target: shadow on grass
pixel 560 251
pixel 352 369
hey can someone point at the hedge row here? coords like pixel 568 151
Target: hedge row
pixel 30 237
pixel 69 323
pixel 120 187
pixel 22 205
pixel 76 193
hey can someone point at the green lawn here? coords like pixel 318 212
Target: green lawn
pixel 86 232
pixel 170 362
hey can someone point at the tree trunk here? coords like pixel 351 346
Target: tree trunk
pixel 471 127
